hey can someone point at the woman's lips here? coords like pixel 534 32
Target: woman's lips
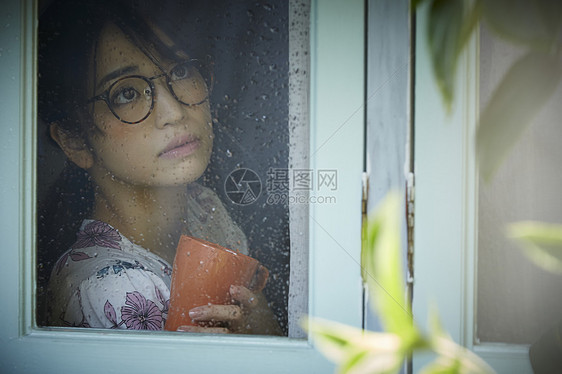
pixel 180 147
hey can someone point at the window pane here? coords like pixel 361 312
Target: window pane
pixel 517 301
pixel 145 163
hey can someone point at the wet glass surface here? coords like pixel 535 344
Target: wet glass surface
pixel 249 111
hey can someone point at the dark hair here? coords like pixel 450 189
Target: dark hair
pixel 67 34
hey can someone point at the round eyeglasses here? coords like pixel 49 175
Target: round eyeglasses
pixel 131 98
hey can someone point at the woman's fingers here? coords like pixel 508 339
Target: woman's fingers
pixel 216 313
pixel 243 296
pixel 249 313
pixel 205 330
pixel 257 316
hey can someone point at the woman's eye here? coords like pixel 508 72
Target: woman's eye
pixel 180 72
pixel 125 96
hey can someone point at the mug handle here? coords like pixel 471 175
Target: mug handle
pixel 259 279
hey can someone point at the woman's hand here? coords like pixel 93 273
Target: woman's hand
pixel 248 314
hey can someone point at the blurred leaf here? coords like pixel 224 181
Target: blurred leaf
pixel 442 365
pixel 368 362
pixel 415 3
pixel 453 358
pixel 526 87
pixel 355 350
pixel 382 267
pixel 534 23
pixel 352 364
pixel 449 28
pixel 541 242
pixel 551 12
pixel 435 325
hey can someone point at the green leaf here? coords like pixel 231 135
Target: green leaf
pixel 453 358
pixel 526 87
pixel 368 363
pixel 435 326
pixel 382 267
pixel 533 23
pixel 551 12
pixel 352 364
pixel 416 3
pixel 541 243
pixel 333 339
pixel 449 28
pixel 442 365
pixel 355 350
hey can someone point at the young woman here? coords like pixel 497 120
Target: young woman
pixel 132 110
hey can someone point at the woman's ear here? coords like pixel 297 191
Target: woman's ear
pixel 73 146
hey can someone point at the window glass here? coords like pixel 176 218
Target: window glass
pixel 517 302
pixel 158 119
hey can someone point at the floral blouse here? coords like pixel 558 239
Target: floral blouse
pixel 106 281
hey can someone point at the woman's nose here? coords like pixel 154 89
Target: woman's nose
pixel 167 109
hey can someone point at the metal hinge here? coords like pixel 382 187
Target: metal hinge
pixel 365 196
pixel 364 202
pixel 410 211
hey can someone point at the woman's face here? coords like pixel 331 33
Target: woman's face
pixel 169 148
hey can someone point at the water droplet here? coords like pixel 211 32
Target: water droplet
pixel 228 153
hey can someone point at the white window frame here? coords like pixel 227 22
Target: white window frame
pixel 446 207
pixel 336 142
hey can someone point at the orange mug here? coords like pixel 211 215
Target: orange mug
pixel 203 273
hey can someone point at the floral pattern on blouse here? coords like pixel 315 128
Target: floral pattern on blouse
pixel 97 233
pixel 141 314
pixel 113 283
pixel 106 281
pixel 138 313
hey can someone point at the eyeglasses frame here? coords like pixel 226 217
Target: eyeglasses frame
pixel 105 95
